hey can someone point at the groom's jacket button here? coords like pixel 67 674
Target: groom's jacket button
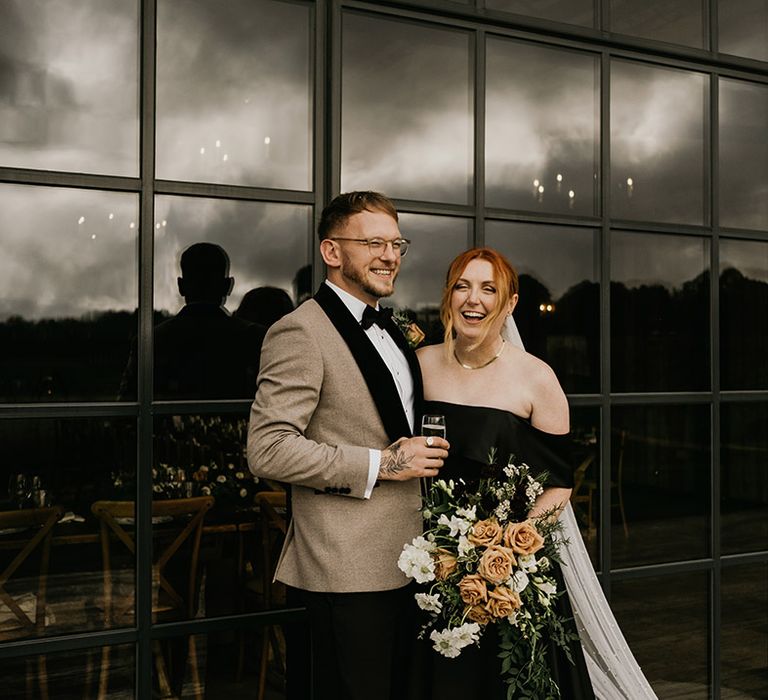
pixel 327 489
pixel 345 489
pixel 334 489
pixel 318 492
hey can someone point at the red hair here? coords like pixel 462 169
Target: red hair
pixel 504 275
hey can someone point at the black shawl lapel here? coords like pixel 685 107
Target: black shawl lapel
pixel 413 363
pixel 377 376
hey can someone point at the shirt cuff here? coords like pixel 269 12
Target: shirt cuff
pixel 374 462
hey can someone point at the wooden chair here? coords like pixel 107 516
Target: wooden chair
pixel 584 489
pixel 274 525
pixel 186 516
pixel 36 525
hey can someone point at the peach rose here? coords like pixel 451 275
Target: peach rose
pixel 523 538
pixel 478 614
pixel 503 601
pixel 496 564
pixel 485 533
pixel 445 563
pixel 472 589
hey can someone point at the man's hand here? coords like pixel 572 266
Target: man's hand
pixel 413 458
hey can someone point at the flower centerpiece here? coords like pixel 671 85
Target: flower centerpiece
pixel 482 561
pixel 229 485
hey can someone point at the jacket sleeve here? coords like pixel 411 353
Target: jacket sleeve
pixel 288 391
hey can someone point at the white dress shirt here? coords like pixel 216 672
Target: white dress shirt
pixel 396 363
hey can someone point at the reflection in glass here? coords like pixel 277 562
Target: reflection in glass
pixel 71 674
pixel 68 292
pixel 558 313
pixel 660 475
pixel 542 122
pixel 201 351
pixel 585 497
pixel 665 621
pixel 744 636
pixel 233 93
pixel 744 477
pixel 200 466
pixel 579 12
pixel 436 240
pixel 743 314
pixel 742 28
pixel 406 110
pixel 659 312
pixel 677 22
pixel 743 154
pixel 657 143
pixel 56 469
pixel 61 106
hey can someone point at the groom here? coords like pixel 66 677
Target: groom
pixel 338 394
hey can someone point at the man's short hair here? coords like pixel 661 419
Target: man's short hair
pixel 346 205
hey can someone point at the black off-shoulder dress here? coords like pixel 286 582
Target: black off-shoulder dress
pixel 472 431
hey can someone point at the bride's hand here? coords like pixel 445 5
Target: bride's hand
pixel 413 458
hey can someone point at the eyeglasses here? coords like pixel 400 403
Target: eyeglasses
pixel 377 246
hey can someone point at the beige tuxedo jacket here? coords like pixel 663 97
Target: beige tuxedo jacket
pixel 312 423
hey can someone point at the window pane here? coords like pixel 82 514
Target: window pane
pixel 745 631
pixel 676 22
pixel 659 312
pixel 71 674
pixel 54 471
pixel 742 28
pixel 744 477
pixel 68 292
pixel 201 469
pixel 660 484
pixel 406 125
pixel 657 143
pixel 585 497
pixel 436 241
pixel 665 621
pixel 200 350
pixel 743 314
pixel 542 123
pixel 233 92
pixel 558 313
pixel 69 85
pixel 570 11
pixel 743 155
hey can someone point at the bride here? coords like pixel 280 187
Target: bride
pixel 494 394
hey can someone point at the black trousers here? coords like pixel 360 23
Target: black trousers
pixel 361 646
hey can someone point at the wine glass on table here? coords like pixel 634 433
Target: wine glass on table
pixel 432 425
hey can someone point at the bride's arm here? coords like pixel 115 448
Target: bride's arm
pixel 549 414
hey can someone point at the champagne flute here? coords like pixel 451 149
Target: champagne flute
pixel 432 425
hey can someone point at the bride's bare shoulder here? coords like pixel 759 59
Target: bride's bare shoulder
pixel 430 353
pixel 537 372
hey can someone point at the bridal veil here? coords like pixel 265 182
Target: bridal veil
pixel 613 670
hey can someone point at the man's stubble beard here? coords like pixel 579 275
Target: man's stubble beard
pixel 349 272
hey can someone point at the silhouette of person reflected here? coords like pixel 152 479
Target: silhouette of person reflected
pixel 264 305
pixel 203 352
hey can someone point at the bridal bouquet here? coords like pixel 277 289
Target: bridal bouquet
pixel 483 562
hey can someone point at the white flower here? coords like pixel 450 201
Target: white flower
pixel 513 618
pixel 458 526
pixel 421 543
pixel 443 486
pixel 465 546
pixel 543 563
pixel 416 563
pixel 206 490
pixel 429 603
pixel 466 634
pixel 546 590
pixel 221 478
pixel 527 562
pixel 467 513
pixel 230 466
pixel 502 510
pixel 445 643
pixel 243 493
pixel 239 475
pixel 518 582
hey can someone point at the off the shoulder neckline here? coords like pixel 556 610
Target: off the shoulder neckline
pixel 524 421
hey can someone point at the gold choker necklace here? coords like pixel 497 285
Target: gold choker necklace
pixel 485 364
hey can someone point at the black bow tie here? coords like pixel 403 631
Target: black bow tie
pixel 371 316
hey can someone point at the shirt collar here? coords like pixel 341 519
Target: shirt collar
pixel 355 306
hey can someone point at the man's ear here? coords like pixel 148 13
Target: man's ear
pixel 181 286
pixel 229 283
pixel 330 252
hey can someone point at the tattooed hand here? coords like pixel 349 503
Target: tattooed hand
pixel 413 458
